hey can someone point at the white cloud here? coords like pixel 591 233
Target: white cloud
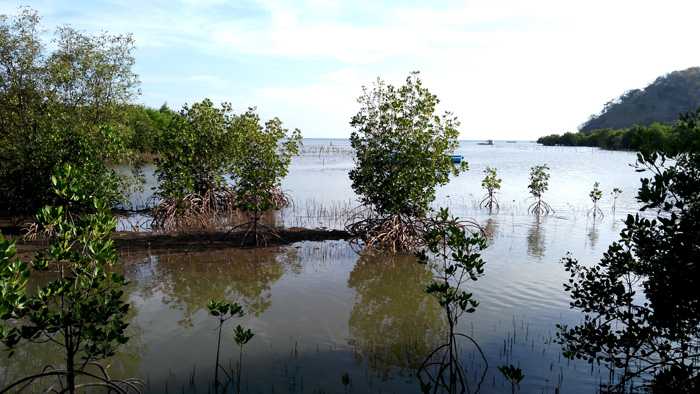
pixel 507 68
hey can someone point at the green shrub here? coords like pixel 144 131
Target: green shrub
pixel 196 151
pixel 402 150
pixel 262 159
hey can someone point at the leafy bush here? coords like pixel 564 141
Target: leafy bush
pixel 262 159
pixel 82 309
pixel 402 150
pixel 146 127
pixel 196 151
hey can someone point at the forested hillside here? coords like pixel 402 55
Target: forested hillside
pixel 662 102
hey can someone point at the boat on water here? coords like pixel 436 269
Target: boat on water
pixel 488 142
pixel 456 159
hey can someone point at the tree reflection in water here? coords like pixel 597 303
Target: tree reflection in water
pixel 490 229
pixel 535 239
pixel 593 234
pixel 393 323
pixel 237 275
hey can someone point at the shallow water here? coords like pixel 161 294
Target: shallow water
pixel 319 310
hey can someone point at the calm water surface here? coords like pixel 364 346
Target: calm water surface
pixel 319 310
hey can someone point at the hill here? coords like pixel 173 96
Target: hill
pixel 660 102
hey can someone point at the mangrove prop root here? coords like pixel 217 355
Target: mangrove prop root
pixel 394 233
pixel 194 211
pixel 540 207
pixel 489 201
pixel 596 212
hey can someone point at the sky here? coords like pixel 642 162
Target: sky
pixel 508 69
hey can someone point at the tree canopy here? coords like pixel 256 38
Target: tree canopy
pixel 60 105
pixel 402 147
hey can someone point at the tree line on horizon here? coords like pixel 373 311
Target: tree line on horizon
pixel 640 118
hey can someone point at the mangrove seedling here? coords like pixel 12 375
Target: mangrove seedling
pixel 513 375
pixel 263 155
pixel 615 193
pixel 223 311
pixel 596 194
pixel 242 336
pixel 402 154
pixel 454 252
pixel 81 310
pixel 492 183
pixel 539 183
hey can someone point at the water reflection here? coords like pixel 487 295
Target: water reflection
pixel 593 234
pixel 535 239
pixel 244 276
pixel 393 323
pixel 490 229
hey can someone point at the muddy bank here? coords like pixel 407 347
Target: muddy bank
pixel 134 241
pixel 146 243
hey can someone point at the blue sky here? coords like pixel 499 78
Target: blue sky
pixel 509 69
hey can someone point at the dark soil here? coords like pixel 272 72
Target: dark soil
pixel 140 243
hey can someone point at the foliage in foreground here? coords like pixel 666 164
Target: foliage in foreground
pixel 454 253
pixel 80 311
pixel 224 311
pixel 513 374
pixel 60 106
pixel 649 340
pixel 402 150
